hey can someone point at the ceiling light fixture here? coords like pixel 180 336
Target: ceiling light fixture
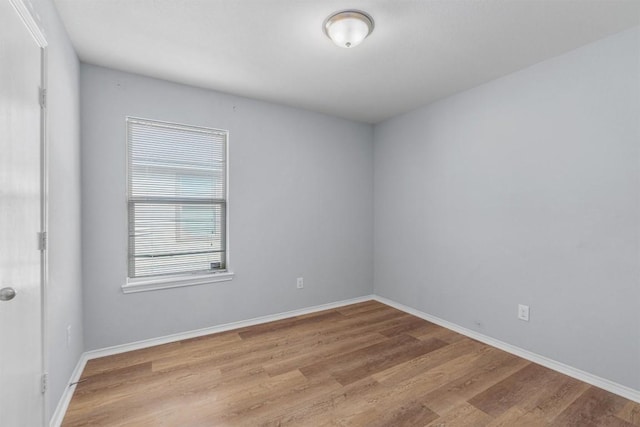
pixel 348 28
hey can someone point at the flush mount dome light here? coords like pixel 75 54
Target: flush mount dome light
pixel 348 28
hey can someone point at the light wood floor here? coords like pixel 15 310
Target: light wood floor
pixel 362 365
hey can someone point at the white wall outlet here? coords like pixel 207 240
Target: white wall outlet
pixel 300 282
pixel 523 312
pixel 68 336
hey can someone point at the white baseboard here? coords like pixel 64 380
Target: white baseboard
pixel 108 351
pixel 63 404
pixel 65 399
pixel 587 377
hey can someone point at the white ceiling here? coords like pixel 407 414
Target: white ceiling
pixel 275 50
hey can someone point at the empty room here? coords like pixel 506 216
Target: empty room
pixel 319 213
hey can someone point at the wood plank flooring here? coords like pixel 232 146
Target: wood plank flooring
pixel 365 364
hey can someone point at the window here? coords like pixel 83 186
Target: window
pixel 177 203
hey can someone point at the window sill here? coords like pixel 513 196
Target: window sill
pixel 145 285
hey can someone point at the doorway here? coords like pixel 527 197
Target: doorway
pixel 22 216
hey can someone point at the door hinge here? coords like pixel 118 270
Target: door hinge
pixel 43 382
pixel 43 98
pixel 42 240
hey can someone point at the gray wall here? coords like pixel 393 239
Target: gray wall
pixel 301 204
pixel 64 292
pixel 523 190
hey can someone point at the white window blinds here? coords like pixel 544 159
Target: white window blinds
pixel 177 198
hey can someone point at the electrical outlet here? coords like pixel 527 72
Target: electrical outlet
pixel 523 312
pixel 68 336
pixel 300 282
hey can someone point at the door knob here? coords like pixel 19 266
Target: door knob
pixel 7 294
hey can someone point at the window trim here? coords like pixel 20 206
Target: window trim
pixel 144 284
pixel 178 281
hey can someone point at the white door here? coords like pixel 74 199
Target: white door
pixel 21 400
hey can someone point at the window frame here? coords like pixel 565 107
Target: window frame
pixel 152 283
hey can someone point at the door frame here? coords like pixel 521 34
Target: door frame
pixel 27 14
